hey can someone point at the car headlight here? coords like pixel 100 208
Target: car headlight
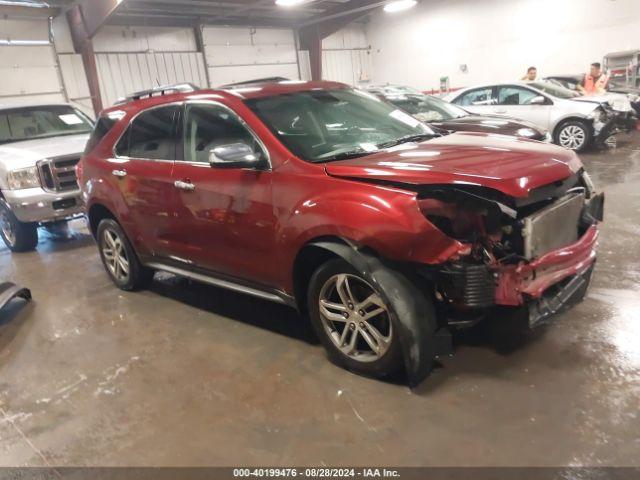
pixel 527 132
pixel 23 178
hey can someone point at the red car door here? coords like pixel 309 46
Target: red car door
pixel 143 169
pixel 224 218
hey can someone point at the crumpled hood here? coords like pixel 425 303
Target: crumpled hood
pixel 617 101
pixel 27 153
pixel 509 165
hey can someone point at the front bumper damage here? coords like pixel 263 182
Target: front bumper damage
pixel 542 286
pixel 549 283
pixel 602 131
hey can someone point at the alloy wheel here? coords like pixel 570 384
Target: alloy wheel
pixel 115 255
pixel 572 137
pixel 355 318
pixel 7 227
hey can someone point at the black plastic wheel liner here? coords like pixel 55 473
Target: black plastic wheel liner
pixel 415 315
pixel 9 291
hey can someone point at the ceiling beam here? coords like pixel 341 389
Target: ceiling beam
pixel 143 19
pixel 353 9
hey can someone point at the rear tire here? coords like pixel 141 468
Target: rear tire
pixel 574 135
pixel 119 259
pixel 347 323
pixel 17 235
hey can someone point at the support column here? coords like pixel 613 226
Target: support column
pixel 85 19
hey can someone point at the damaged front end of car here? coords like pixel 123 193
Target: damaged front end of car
pixel 535 253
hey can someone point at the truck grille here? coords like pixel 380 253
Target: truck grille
pixel 59 174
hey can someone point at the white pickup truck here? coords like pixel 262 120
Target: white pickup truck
pixel 40 146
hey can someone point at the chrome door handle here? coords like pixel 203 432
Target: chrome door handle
pixel 119 173
pixel 190 187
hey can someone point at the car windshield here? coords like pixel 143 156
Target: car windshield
pixel 325 125
pixel 427 109
pixel 554 89
pixel 26 123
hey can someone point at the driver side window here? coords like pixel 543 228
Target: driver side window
pixel 477 98
pixel 208 127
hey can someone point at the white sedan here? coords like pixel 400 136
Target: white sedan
pixel 575 122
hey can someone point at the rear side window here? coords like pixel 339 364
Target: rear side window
pixel 152 135
pixel 515 96
pixel 101 128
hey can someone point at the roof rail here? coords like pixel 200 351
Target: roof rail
pixel 162 90
pixel 257 81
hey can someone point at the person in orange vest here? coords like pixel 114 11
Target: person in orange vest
pixel 594 82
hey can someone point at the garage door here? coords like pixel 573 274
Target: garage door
pixel 28 67
pixel 139 58
pixel 124 73
pixel 239 54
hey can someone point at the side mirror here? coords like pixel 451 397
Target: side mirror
pixel 235 155
pixel 539 100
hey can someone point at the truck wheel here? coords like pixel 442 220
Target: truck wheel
pixel 356 326
pixel 18 236
pixel 574 135
pixel 119 258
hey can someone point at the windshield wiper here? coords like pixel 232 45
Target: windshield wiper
pixel 408 138
pixel 345 156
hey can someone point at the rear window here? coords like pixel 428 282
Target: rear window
pixel 102 127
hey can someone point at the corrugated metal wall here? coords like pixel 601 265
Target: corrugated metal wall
pixel 237 54
pixel 29 70
pixel 346 56
pixel 138 58
pixel 135 58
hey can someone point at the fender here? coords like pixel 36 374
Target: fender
pixel 9 291
pixel 415 317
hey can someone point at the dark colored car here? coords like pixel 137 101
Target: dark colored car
pixel 449 117
pixel 333 202
pixel 633 94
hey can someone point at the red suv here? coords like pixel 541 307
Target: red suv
pixel 324 198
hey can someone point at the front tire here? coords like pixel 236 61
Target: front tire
pixel 17 235
pixel 119 259
pixel 574 135
pixel 356 326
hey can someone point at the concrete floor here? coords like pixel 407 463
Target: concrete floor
pixel 186 374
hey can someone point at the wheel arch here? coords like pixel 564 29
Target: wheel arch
pixel 316 252
pixel 571 118
pixel 412 311
pixel 95 214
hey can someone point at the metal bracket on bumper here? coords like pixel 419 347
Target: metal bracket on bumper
pixel 9 291
pixel 559 297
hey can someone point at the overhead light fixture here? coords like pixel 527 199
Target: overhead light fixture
pixel 399 5
pixel 290 3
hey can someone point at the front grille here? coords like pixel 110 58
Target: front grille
pixel 59 174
